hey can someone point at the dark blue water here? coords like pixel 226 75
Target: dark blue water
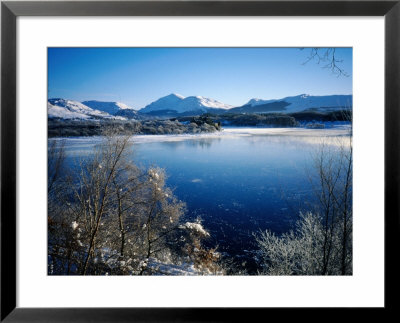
pixel 237 185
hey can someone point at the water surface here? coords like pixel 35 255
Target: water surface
pixel 239 181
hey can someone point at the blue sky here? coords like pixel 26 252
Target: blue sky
pixel 139 76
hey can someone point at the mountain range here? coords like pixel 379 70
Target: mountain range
pixel 108 107
pixel 180 104
pixel 307 102
pixel 176 105
pixel 70 109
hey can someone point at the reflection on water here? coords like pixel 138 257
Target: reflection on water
pixel 237 182
pixel 193 142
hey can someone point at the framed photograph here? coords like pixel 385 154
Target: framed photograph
pixel 190 160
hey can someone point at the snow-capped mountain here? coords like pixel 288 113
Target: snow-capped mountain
pixel 254 102
pixel 304 102
pixel 109 107
pixel 54 111
pixel 69 109
pixel 180 104
pixel 175 104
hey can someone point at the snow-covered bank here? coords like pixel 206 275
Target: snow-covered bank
pixel 243 132
pixel 304 134
pixel 336 131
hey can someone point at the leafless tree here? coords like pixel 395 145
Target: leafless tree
pixel 328 59
pixel 322 241
pixel 333 186
pixel 112 217
pixel 55 161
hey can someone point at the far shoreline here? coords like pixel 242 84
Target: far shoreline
pixel 229 132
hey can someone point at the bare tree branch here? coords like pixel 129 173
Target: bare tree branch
pixel 328 59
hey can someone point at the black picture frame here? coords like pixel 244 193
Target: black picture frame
pixel 10 10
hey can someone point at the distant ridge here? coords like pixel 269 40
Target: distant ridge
pixel 177 104
pixel 70 109
pixel 109 107
pixel 180 104
pixel 304 102
pixel 174 105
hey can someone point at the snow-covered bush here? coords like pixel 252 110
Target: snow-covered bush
pixel 293 253
pixel 107 216
pixel 322 241
pixel 300 252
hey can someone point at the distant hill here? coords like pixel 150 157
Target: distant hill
pixel 304 102
pixel 128 113
pixel 175 105
pixel 279 106
pixel 70 109
pixel 110 107
pixel 180 104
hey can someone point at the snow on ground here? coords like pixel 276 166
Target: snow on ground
pixel 70 109
pixel 161 268
pixel 335 131
pixel 305 101
pixel 108 107
pixel 61 112
pixel 181 104
pixel 311 136
pixel 246 132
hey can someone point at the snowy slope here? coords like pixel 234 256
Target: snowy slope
pixel 54 111
pixel 201 103
pixel 181 104
pixel 108 107
pixel 69 109
pixel 169 102
pixel 254 102
pixel 304 101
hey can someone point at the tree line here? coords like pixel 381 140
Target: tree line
pixel 82 128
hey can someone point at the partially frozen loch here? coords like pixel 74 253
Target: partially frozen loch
pixel 238 181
